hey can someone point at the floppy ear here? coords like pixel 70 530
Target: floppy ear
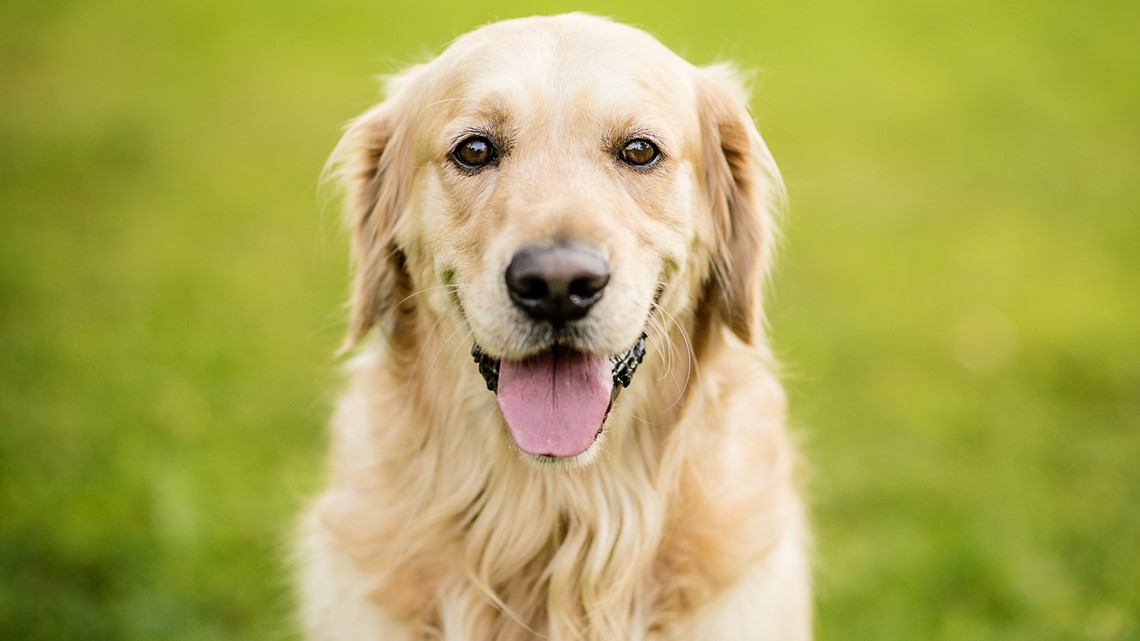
pixel 374 164
pixel 745 192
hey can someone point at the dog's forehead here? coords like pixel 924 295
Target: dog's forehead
pixel 572 60
pixel 569 36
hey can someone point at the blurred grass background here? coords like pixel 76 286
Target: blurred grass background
pixel 958 300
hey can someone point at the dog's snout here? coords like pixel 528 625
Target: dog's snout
pixel 557 283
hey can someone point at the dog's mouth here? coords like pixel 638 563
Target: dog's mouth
pixel 555 403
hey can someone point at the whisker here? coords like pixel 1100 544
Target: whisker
pixel 459 345
pixel 691 368
pixel 659 341
pixel 424 347
pixel 686 293
pixel 442 347
pixel 435 326
pixel 452 286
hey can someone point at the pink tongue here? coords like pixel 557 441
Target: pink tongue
pixel 554 403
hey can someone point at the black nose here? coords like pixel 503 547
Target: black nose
pixel 557 283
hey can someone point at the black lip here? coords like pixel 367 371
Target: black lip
pixel 624 365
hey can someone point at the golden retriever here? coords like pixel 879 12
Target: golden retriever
pixel 588 218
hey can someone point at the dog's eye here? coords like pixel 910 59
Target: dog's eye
pixel 640 153
pixel 474 152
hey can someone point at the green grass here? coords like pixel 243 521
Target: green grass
pixel 958 301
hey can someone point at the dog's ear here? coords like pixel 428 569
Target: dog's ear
pixel 373 162
pixel 745 193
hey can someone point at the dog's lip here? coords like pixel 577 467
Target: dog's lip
pixel 624 365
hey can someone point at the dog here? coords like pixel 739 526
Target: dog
pixel 563 420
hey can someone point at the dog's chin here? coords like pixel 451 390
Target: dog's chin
pixel 555 402
pixel 550 462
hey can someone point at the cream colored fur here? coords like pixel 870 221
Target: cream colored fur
pixel 682 522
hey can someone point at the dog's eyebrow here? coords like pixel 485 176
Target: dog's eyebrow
pixel 444 101
pixel 477 110
pixel 490 107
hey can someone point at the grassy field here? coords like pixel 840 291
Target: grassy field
pixel 958 301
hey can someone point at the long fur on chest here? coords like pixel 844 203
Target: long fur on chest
pixel 459 536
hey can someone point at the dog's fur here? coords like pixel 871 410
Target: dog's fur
pixel 682 521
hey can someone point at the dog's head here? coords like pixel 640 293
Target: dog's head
pixel 557 186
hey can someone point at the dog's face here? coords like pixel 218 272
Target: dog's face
pixel 558 187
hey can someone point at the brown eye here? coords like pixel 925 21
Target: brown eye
pixel 474 152
pixel 640 153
